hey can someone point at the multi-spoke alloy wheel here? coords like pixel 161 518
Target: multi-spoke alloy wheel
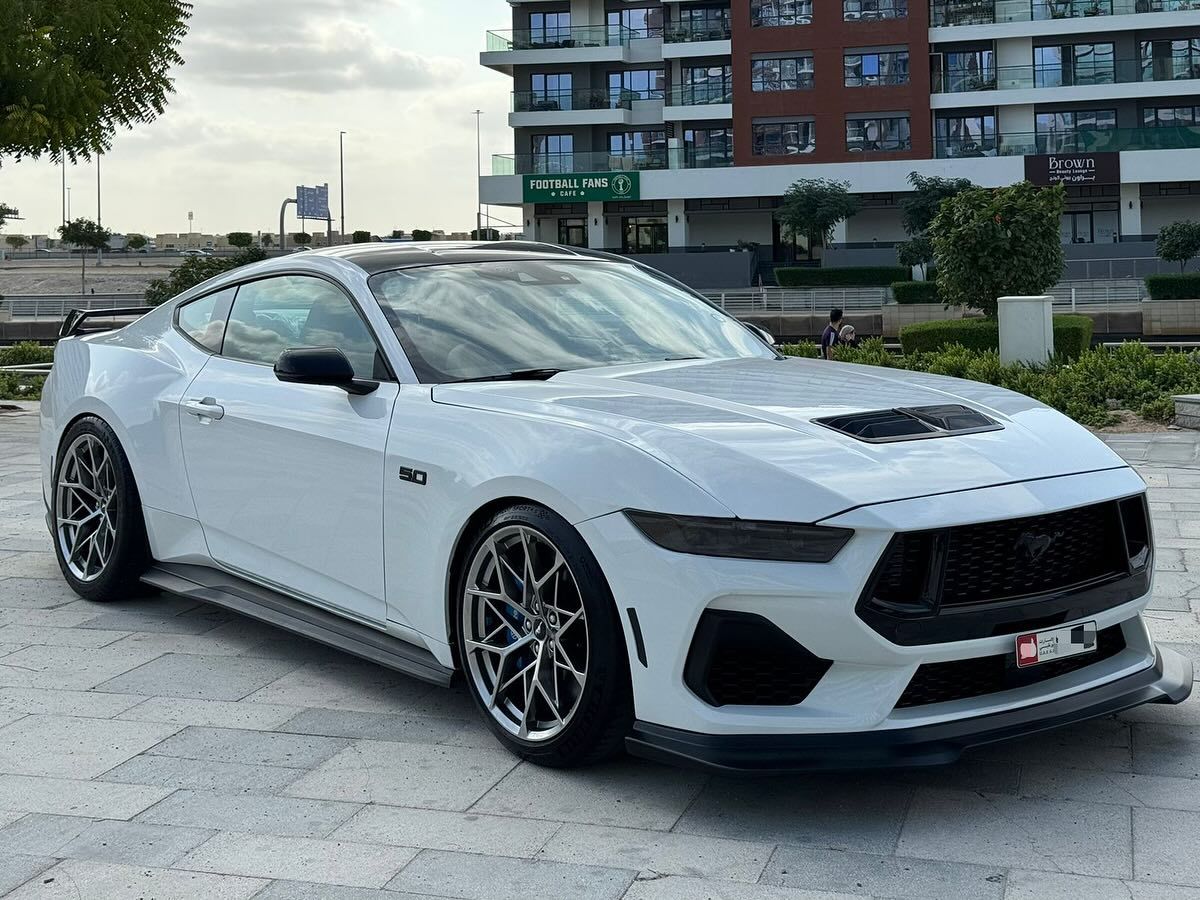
pixel 525 631
pixel 85 514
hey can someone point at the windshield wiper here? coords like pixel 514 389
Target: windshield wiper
pixel 517 375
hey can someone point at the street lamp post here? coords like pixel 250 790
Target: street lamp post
pixel 342 177
pixel 68 204
pixel 478 174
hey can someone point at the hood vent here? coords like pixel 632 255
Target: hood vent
pixel 911 423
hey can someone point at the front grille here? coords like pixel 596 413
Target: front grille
pixel 1016 574
pixel 745 660
pixel 964 678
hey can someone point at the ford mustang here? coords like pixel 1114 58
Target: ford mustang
pixel 614 511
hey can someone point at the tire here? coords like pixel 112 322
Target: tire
pixel 569 620
pixel 105 558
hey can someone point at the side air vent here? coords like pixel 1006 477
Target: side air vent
pixel 911 423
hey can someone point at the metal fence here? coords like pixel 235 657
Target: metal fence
pixel 54 307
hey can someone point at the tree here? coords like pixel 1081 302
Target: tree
pixel 71 74
pixel 6 213
pixel 86 235
pixel 919 208
pixel 362 237
pixel 195 270
pixel 240 239
pixel 397 232
pixel 1179 242
pixel 813 207
pixel 917 252
pixel 487 234
pixel 16 241
pixel 993 242
pixel 420 234
pixel 268 240
pixel 136 241
pixel 302 238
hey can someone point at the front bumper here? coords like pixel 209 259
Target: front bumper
pixel 1169 680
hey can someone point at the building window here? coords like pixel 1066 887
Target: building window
pixel 643 234
pixel 876 68
pixel 965 136
pixel 967 70
pixel 773 13
pixel 1170 59
pixel 878 134
pixel 552 153
pixel 572 232
pixel 871 10
pixel 549 29
pixel 706 84
pixel 550 91
pixel 642 22
pixel 1060 132
pixel 639 149
pixel 637 84
pixel 700 23
pixel 706 148
pixel 790 73
pixel 1073 64
pixel 782 138
pixel 1171 116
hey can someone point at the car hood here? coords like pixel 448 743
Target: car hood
pixel 743 430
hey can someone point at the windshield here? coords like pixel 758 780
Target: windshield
pixel 488 319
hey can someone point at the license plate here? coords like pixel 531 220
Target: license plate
pixel 1055 643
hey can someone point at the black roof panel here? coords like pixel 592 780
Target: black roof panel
pixel 385 256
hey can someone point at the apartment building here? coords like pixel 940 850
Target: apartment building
pixel 645 126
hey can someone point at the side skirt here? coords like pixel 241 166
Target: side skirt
pixel 219 588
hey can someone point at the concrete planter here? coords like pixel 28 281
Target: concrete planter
pixel 1161 317
pixel 1187 411
pixel 897 315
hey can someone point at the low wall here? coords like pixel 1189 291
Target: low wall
pixel 1170 317
pixel 704 271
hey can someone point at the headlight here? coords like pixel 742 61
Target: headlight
pixel 741 539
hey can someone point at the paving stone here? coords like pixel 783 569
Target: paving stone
pixel 67 615
pixel 17 868
pixel 663 853
pixel 134 843
pixel 189 644
pixel 431 776
pixel 58 637
pixel 74 747
pixel 472 877
pixel 122 882
pixel 375 726
pixel 248 812
pixel 66 668
pixel 350 685
pixel 198 677
pixel 298 650
pixel 1164 844
pixel 300 890
pixel 824 812
pixel 1098 743
pixel 30 564
pixel 1050 782
pixel 211 713
pixel 1079 838
pixel 42 834
pixel 76 798
pixel 440 830
pixel 1185 713
pixel 201 775
pixel 164 621
pixel 36 593
pixel 300 859
pixel 1166 750
pixel 883 876
pixel 675 887
pixel 628 793
pixel 1025 885
pixel 1173 628
pixel 250 747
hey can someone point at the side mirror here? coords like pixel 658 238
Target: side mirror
pixel 762 334
pixel 321 365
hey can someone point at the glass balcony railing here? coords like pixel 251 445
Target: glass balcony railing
pixel 1084 140
pixel 579 161
pixel 560 38
pixel 688 32
pixel 700 94
pixel 988 12
pixel 588 98
pixel 1110 71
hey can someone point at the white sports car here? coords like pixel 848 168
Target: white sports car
pixel 614 509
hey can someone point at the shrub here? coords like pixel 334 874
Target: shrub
pixel 804 349
pixel 915 292
pixel 1178 242
pixel 1174 287
pixel 849 276
pixel 26 353
pixel 195 270
pixel 1072 335
pixel 1160 409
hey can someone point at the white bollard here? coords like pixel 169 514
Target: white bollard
pixel 1026 329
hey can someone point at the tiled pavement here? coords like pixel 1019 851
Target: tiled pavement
pixel 160 749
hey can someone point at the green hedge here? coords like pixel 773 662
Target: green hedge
pixel 1181 286
pixel 915 292
pixel 850 276
pixel 1072 335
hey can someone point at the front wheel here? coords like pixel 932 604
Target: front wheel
pixel 540 642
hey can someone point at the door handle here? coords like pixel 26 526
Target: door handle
pixel 208 408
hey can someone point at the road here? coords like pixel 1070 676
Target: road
pixel 155 748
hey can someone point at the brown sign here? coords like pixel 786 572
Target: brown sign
pixel 1074 168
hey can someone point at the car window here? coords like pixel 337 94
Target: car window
pixel 292 311
pixel 203 320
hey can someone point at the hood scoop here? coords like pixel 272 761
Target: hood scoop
pixel 915 423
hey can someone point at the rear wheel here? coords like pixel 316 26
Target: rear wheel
pixel 540 642
pixel 99 533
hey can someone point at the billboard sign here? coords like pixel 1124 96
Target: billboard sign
pixel 1073 168
pixel 577 188
pixel 312 202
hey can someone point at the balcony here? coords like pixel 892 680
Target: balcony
pixel 642 160
pixel 1101 72
pixel 697 32
pixel 992 12
pixel 584 43
pixel 1098 140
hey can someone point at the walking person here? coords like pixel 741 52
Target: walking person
pixel 830 337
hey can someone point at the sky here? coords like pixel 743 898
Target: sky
pixel 258 106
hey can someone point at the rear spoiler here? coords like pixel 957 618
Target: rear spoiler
pixel 77 319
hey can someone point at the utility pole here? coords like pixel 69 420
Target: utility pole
pixel 342 176
pixel 478 173
pixel 68 219
pixel 64 190
pixel 98 220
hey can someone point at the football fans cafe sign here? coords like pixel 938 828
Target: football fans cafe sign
pixel 1073 168
pixel 581 187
